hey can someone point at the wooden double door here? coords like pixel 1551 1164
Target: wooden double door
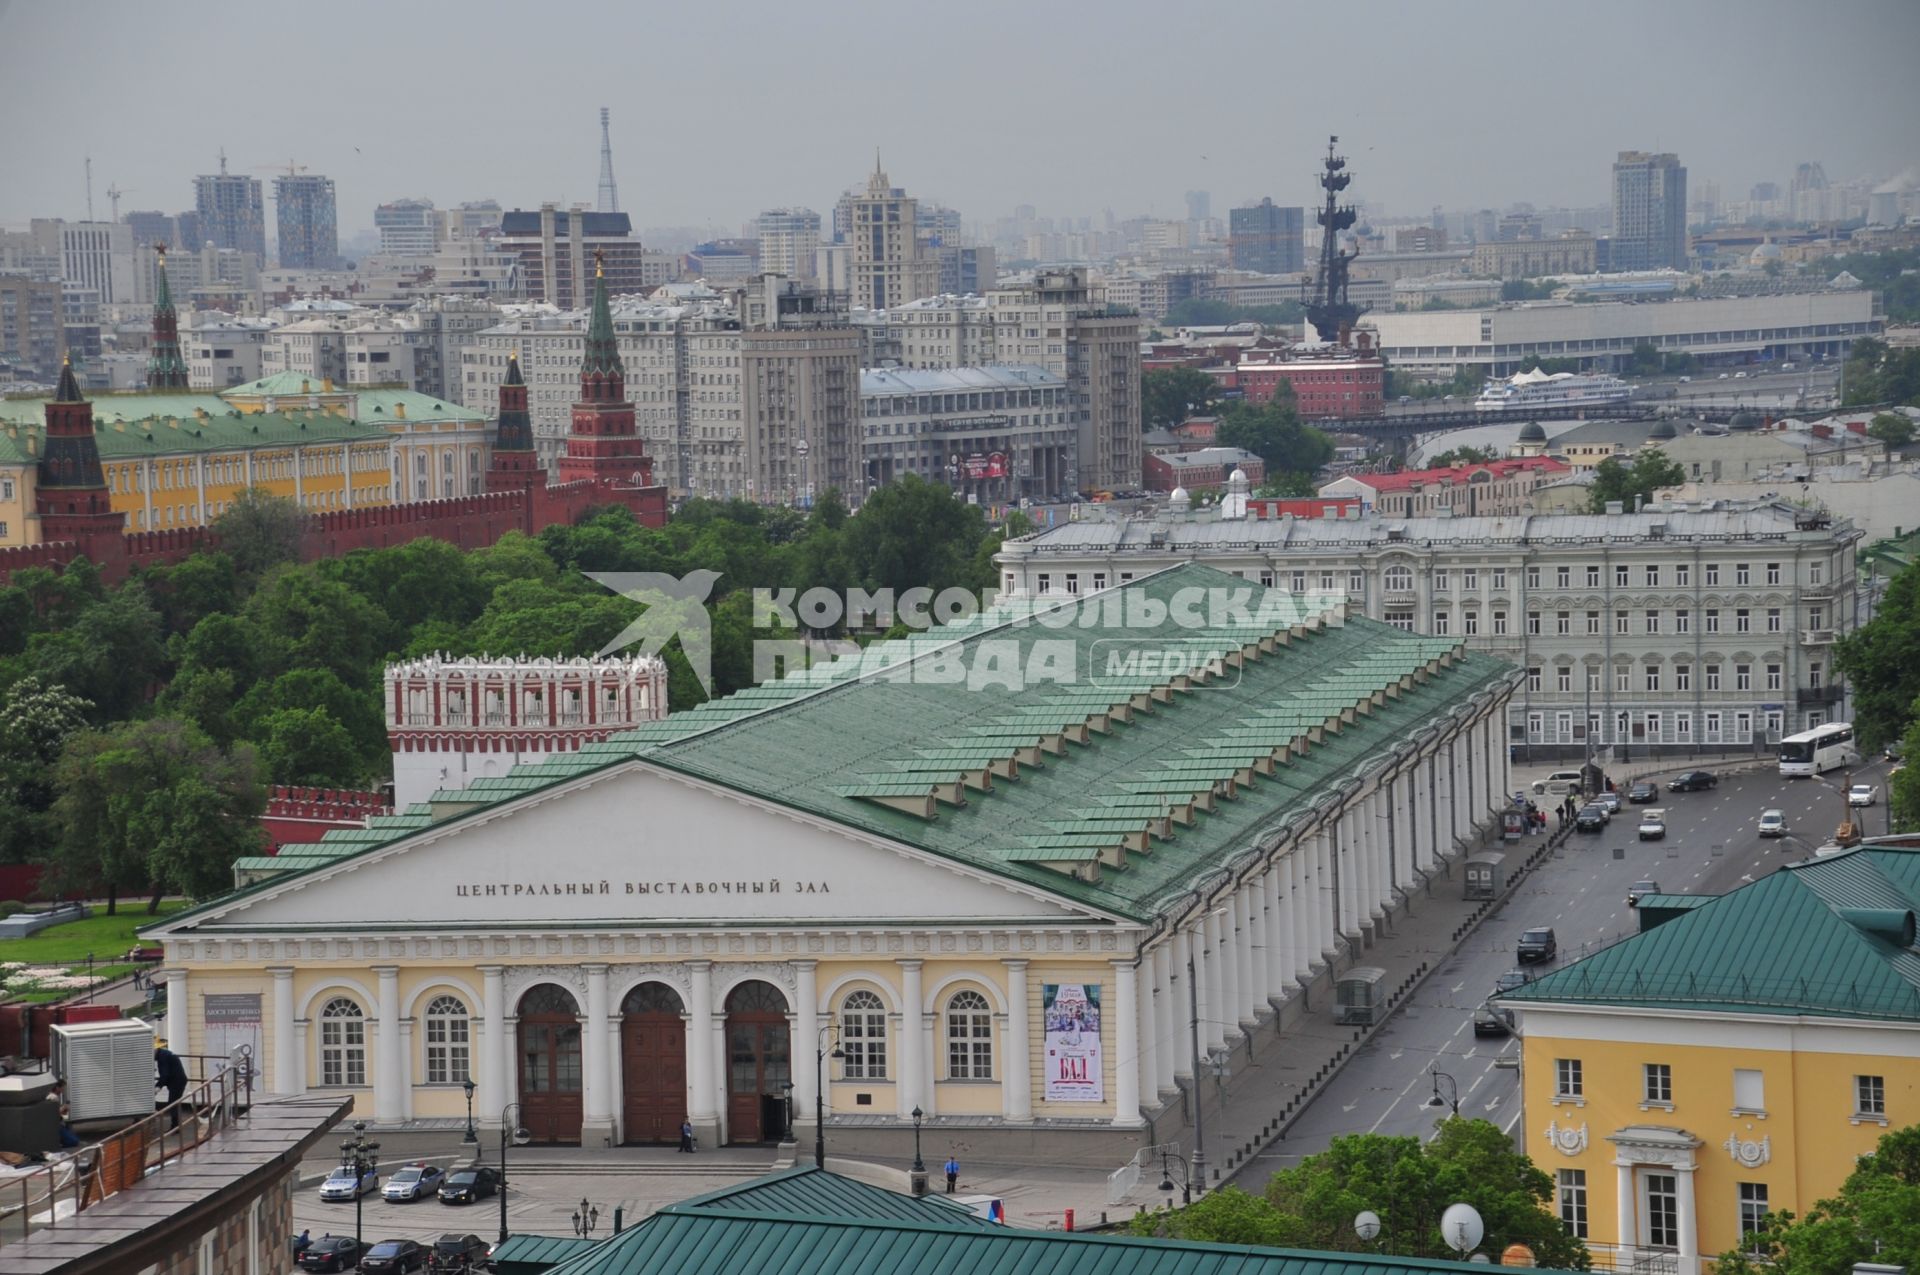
pixel 653 1068
pixel 759 1064
pixel 550 1064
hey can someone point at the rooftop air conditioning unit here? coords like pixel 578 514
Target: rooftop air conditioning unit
pixel 108 1068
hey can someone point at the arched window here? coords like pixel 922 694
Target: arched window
pixel 969 1037
pixel 1399 579
pixel 448 1062
pixel 343 1043
pixel 863 1036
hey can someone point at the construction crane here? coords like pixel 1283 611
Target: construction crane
pixel 291 168
pixel 114 193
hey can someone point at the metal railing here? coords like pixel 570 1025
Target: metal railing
pixel 1638 1259
pixel 54 1195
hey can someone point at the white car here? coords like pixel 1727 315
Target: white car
pixel 1773 823
pixel 1862 795
pixel 413 1181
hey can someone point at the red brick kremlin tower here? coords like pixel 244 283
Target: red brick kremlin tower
pixel 70 492
pixel 603 446
pixel 166 370
pixel 515 467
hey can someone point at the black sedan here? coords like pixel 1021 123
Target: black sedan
pixel 394 1257
pixel 1590 819
pixel 1693 781
pixel 1644 793
pixel 331 1253
pixel 464 1186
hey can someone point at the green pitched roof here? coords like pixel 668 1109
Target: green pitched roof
pixel 32 410
pixel 1823 938
pixel 815 1193
pixel 539 1252
pixel 184 434
pixel 868 742
pixel 705 1242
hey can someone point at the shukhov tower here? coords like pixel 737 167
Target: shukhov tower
pixel 609 195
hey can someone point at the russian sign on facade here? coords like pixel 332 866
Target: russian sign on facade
pixel 1072 1015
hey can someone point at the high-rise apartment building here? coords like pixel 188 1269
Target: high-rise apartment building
pixel 1649 212
pixel 153 229
pixel 231 211
pixel 788 238
pixel 1267 238
pixel 557 248
pixel 408 228
pixel 308 223
pixel 33 332
pixel 96 259
pixel 890 265
pixel 473 218
pixel 799 392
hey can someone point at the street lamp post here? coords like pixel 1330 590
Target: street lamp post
pixel 1167 1161
pixel 507 1130
pixel 471 1138
pixel 1452 1098
pixel 820 1056
pixel 362 1157
pixel 918 1165
pixel 585 1218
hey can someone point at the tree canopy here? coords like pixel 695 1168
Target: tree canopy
pixel 1881 661
pixel 1876 373
pixel 1624 481
pixel 1891 428
pixel 1463 456
pixel 1875 1218
pixel 1171 395
pixel 1408 1183
pixel 1274 433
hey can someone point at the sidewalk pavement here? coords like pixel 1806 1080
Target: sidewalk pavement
pixel 1287 1067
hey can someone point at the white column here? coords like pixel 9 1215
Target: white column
pixel 1346 847
pixel 1327 914
pixel 1457 805
pixel 595 1107
pixel 1273 903
pixel 1147 1029
pixel 1294 941
pixel 1244 964
pixel 806 1043
pixel 1373 844
pixel 1496 781
pixel 1206 991
pixel 1689 1224
pixel 912 1057
pixel 1126 1047
pixel 1165 1026
pixel 285 1051
pixel 493 1066
pixel 1016 1091
pixel 1623 1206
pixel 390 1074
pixel 705 1112
pixel 177 1006
pixel 930 1060
pixel 1182 1007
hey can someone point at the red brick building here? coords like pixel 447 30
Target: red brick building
pixel 1332 383
pixel 1202 469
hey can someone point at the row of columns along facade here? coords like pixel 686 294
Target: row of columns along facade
pixel 1261 933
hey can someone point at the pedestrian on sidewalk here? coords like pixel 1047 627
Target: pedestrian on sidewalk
pixel 953 1174
pixel 686 1136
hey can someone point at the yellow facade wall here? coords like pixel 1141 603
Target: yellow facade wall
pixel 1810 1128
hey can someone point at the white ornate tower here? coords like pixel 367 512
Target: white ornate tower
pixel 452 721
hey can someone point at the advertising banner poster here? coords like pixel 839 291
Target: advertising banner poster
pixel 1071 1012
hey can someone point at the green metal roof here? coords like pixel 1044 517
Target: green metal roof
pixel 813 1192
pixel 183 433
pixel 377 404
pixel 531 1253
pixel 1820 938
pixel 707 1242
pixel 842 740
pixel 32 410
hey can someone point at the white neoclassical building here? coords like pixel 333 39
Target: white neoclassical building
pixel 964 874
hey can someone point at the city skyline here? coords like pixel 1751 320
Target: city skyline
pixel 725 165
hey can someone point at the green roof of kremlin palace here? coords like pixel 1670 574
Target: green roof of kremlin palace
pixel 174 433
pixel 807 1221
pixel 1830 937
pixel 1117 790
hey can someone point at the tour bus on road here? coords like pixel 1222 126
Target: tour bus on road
pixel 1816 751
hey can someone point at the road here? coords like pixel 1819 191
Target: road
pixel 1711 847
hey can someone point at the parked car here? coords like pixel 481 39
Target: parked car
pixel 1607 801
pixel 1558 784
pixel 1653 826
pixel 331 1253
pixel 1590 819
pixel 412 1181
pixel 1641 889
pixel 1643 792
pixel 394 1257
pixel 464 1186
pixel 1693 781
pixel 1491 1020
pixel 1773 823
pixel 1538 944
pixel 341 1184
pixel 1510 980
pixel 452 1252
pixel 1863 795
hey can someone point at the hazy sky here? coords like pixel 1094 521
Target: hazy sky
pixel 722 108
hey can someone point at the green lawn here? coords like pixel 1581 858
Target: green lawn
pixel 107 937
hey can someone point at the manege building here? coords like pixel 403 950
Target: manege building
pixel 976 864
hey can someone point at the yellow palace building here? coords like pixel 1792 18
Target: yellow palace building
pixel 179 458
pixel 1730 1061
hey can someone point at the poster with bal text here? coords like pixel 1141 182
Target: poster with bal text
pixel 1072 1015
